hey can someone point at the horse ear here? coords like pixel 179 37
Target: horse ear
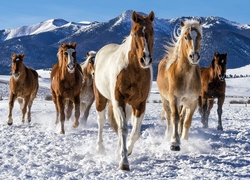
pixel 216 54
pixel 22 55
pixel 182 24
pixel 13 55
pixel 200 22
pixel 87 54
pixel 74 44
pixel 151 16
pixel 134 16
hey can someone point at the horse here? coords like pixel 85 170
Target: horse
pixel 179 80
pixel 213 86
pixel 87 96
pixel 23 86
pixel 123 76
pixel 66 83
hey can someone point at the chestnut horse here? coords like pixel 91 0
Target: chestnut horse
pixel 179 80
pixel 23 85
pixel 66 83
pixel 123 75
pixel 87 93
pixel 213 86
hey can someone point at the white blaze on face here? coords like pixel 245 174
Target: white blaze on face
pixel 17 59
pixel 70 63
pixel 145 50
pixel 193 35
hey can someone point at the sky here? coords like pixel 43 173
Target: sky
pixel 16 13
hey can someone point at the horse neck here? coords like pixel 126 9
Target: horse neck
pixel 23 73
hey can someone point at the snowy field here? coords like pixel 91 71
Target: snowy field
pixel 38 151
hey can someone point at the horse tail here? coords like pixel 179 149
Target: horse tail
pixel 111 117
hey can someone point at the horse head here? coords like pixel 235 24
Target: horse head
pixel 67 56
pixel 219 65
pixel 191 36
pixel 17 64
pixel 143 38
pixel 91 61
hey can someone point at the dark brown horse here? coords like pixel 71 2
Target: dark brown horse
pixel 179 80
pixel 66 83
pixel 123 76
pixel 213 86
pixel 23 85
pixel 87 93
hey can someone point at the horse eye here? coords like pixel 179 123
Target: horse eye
pixel 65 53
pixel 186 37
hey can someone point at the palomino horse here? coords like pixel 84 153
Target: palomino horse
pixel 87 96
pixel 66 83
pixel 23 85
pixel 123 76
pixel 213 86
pixel 179 80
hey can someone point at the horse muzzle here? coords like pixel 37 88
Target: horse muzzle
pixel 222 77
pixel 71 68
pixel 16 75
pixel 194 58
pixel 146 62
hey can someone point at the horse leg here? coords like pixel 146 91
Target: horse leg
pixel 29 110
pixel 182 112
pixel 77 111
pixel 137 117
pixel 204 108
pixel 100 103
pixel 219 112
pixel 11 105
pixel 69 108
pixel 24 108
pixel 175 138
pixel 86 113
pixel 188 120
pixel 119 114
pixel 54 98
pixel 209 107
pixel 60 104
pixel 167 111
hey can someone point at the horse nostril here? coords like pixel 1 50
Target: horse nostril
pixel 191 56
pixel 142 60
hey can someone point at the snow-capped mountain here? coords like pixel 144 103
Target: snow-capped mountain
pixel 40 42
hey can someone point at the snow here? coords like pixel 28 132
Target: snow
pixel 37 150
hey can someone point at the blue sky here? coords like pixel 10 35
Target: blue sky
pixel 16 13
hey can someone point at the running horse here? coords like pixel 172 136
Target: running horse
pixel 87 96
pixel 123 76
pixel 213 86
pixel 23 86
pixel 66 83
pixel 179 80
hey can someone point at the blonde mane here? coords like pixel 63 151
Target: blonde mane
pixel 173 48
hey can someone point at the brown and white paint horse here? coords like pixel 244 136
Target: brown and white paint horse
pixel 87 96
pixel 23 85
pixel 66 83
pixel 123 75
pixel 213 86
pixel 179 80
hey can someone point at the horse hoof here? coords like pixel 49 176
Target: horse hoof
pixel 175 148
pixel 10 123
pixel 62 132
pixel 129 153
pixel 124 167
pixel 76 124
pixel 219 128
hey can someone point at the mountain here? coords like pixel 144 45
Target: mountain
pixel 40 42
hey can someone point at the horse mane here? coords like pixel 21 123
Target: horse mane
pixel 173 47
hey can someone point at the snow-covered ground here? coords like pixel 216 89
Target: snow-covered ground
pixel 38 151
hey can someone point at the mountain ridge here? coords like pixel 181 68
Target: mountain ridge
pixel 40 41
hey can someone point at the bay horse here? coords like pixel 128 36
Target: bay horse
pixel 213 86
pixel 66 83
pixel 179 80
pixel 87 96
pixel 123 76
pixel 23 86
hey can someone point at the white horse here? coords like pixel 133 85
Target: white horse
pixel 123 77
